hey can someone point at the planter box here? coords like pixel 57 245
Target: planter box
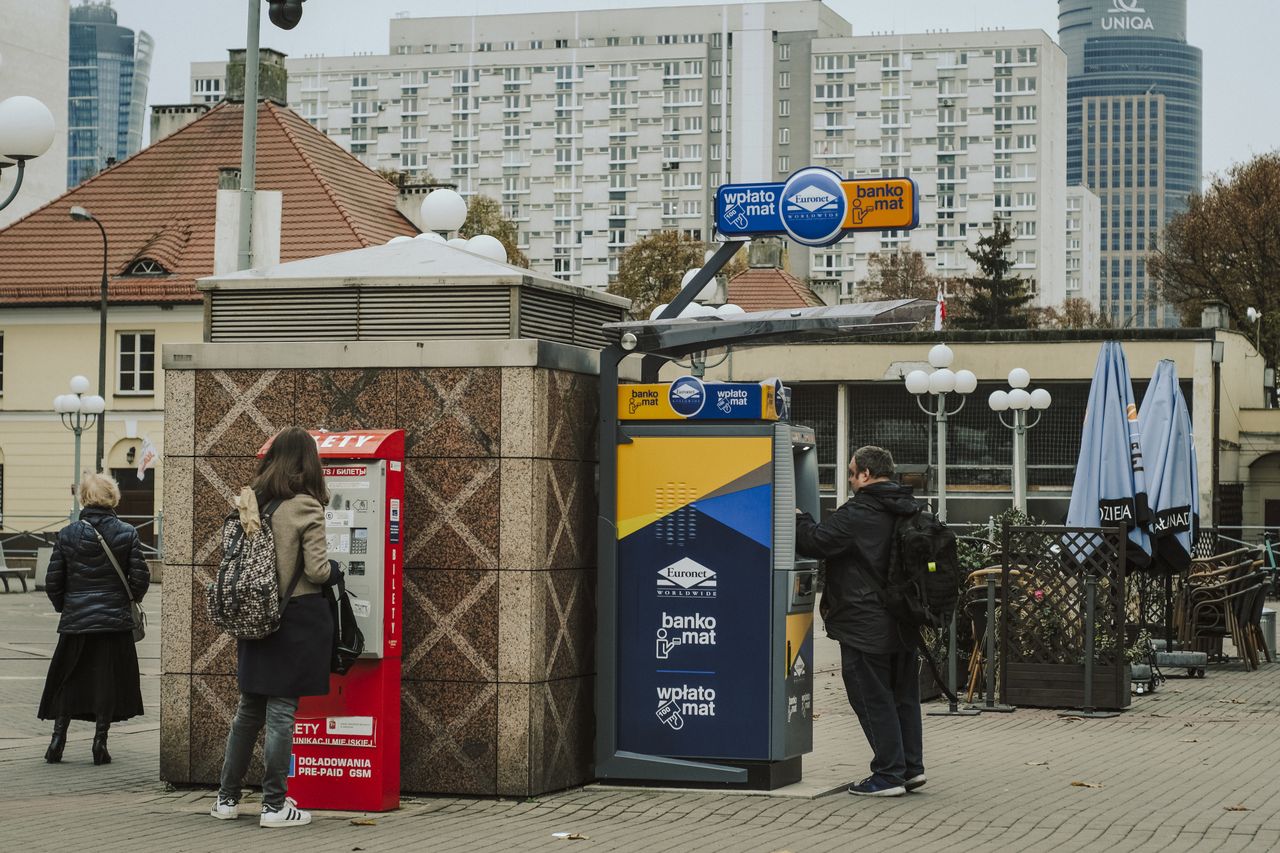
pixel 1061 685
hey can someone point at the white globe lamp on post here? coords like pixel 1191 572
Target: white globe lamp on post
pixel 1018 401
pixel 26 132
pixel 79 412
pixel 443 210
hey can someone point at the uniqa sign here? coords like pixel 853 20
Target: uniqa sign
pixel 1126 15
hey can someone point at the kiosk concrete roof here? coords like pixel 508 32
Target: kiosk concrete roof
pixel 415 262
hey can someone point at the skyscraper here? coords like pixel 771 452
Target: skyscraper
pixel 106 90
pixel 1133 135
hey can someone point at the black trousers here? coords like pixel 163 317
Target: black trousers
pixel 884 690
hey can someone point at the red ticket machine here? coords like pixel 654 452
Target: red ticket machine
pixel 346 745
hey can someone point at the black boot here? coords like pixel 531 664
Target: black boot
pixel 100 754
pixel 53 754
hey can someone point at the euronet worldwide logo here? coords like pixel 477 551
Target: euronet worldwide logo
pixel 813 206
pixel 686 578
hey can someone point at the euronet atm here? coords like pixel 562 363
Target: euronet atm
pixel 715 631
pixel 346 745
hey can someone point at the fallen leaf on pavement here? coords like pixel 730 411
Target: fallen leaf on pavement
pixel 1236 808
pixel 570 836
pixel 1085 785
pixel 363 821
pixel 1231 701
pixel 816 716
pixel 1037 764
pixel 1187 740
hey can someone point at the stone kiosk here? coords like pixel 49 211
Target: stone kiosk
pixel 491 371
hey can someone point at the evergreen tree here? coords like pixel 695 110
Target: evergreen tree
pixel 996 299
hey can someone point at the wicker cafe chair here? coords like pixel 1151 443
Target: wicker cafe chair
pixel 973 603
pixel 1219 610
pixel 1222 568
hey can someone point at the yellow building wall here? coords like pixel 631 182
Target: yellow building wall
pixel 43 349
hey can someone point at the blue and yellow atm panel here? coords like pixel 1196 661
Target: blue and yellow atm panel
pixel 715 621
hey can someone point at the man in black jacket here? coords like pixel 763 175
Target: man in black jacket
pixel 880 669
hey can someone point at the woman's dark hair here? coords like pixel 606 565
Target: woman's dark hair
pixel 291 466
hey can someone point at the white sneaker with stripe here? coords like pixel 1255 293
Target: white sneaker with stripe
pixel 287 815
pixel 225 808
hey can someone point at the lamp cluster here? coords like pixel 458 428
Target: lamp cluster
pixel 941 380
pixel 76 402
pixel 1018 398
pixel 444 210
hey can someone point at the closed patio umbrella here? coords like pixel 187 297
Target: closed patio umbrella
pixel 1110 486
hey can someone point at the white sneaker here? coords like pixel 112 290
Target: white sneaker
pixel 225 808
pixel 287 815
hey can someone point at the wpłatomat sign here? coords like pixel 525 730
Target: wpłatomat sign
pixel 816 207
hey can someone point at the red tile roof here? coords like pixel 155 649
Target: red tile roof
pixel 766 289
pixel 161 204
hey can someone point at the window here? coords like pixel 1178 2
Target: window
pixel 784 135
pixel 146 266
pixel 784 51
pixel 784 79
pixel 136 363
pixel 784 108
pixel 784 163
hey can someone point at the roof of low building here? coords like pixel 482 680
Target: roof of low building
pixel 160 205
pixel 769 288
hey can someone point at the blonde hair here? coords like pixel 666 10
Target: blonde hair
pixel 99 490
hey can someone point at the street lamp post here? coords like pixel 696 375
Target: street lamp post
pixel 1019 401
pixel 78 413
pixel 79 214
pixel 939 383
pixel 26 132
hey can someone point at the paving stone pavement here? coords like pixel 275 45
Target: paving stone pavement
pixel 1172 770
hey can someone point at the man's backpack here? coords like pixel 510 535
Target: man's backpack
pixel 244 599
pixel 924 572
pixel 924 581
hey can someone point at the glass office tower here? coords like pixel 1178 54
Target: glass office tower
pixel 1133 135
pixel 106 90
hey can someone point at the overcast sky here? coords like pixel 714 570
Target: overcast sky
pixel 1240 40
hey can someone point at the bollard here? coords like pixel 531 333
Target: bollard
pixel 1090 605
pixel 953 708
pixel 989 702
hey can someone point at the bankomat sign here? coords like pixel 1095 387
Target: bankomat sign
pixel 689 398
pixel 816 207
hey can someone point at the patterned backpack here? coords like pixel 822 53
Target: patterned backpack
pixel 244 600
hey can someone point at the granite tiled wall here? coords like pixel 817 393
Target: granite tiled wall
pixel 499 546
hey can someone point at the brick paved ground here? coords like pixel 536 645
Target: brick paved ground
pixel 1169 770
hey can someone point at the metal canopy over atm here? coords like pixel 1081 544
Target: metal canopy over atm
pixel 700 732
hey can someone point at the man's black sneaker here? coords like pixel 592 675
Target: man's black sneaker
pixel 915 782
pixel 874 786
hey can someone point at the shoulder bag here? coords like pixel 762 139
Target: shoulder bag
pixel 135 609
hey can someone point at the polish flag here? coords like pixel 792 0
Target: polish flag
pixel 940 312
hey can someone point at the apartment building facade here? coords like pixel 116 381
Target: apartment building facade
pixel 596 128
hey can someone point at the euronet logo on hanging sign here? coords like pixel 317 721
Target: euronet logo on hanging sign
pixel 1126 15
pixel 816 208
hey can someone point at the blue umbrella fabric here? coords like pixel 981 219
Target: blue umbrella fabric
pixel 1110 486
pixel 1173 488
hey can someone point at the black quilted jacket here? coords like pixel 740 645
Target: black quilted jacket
pixel 81 582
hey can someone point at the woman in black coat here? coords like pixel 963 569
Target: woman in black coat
pixel 94 672
pixel 289 494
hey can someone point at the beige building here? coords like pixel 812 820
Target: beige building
pixel 169 220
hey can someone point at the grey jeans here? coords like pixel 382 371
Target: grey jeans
pixel 277 713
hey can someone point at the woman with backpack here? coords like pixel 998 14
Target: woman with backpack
pixel 288 493
pixel 95 572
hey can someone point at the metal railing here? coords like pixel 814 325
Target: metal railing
pixel 21 535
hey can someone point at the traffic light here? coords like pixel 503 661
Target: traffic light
pixel 285 14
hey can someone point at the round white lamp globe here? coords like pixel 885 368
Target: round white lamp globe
pixel 1019 378
pixel 998 401
pixel 942 381
pixel 917 382
pixel 688 277
pixel 79 384
pixel 430 237
pixel 443 210
pixel 94 405
pixel 457 242
pixel 488 246
pixel 966 382
pixel 1019 399
pixel 26 128
pixel 941 356
pixel 60 403
pixel 1040 399
pixel 728 310
pixel 399 238
pixel 657 309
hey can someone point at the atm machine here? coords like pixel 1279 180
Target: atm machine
pixel 715 611
pixel 346 745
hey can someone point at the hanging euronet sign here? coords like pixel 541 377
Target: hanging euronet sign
pixel 816 207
